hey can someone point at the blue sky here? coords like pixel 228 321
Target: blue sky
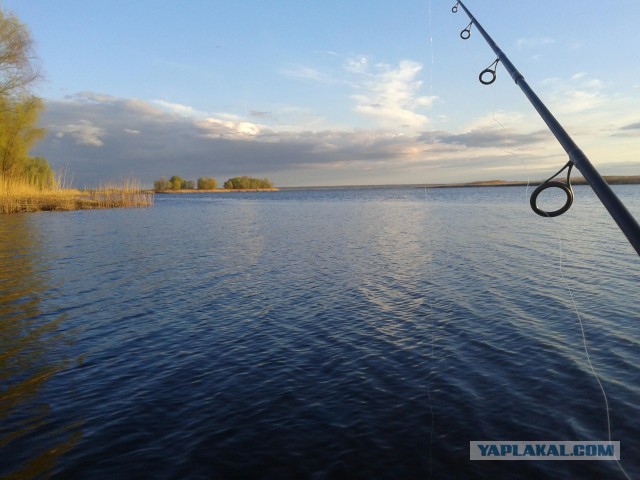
pixel 327 92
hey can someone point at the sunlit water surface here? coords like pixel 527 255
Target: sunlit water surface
pixel 316 334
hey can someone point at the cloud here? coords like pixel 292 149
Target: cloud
pixel 101 138
pixel 578 94
pixel 84 133
pixel 148 141
pixel 301 72
pixel 260 114
pixel 591 111
pixel 631 131
pixel 177 108
pixel 388 95
pixel 358 65
pixel 218 128
pixel 91 97
pixel 490 138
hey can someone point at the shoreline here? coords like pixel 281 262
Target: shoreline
pixel 71 200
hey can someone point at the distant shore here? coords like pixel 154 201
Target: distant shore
pixel 219 190
pixel 610 179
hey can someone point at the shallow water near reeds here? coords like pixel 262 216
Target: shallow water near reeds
pixel 369 333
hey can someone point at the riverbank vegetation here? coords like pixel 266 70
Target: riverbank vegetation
pixel 16 196
pixel 28 184
pixel 247 183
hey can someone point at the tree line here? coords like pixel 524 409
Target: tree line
pixel 206 183
pixel 242 183
pixel 19 108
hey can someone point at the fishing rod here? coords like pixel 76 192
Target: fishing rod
pixel 626 222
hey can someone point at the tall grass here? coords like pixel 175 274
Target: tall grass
pixel 128 193
pixel 20 195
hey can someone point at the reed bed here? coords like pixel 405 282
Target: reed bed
pixel 126 194
pixel 21 196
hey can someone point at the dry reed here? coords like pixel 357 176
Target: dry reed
pixel 21 196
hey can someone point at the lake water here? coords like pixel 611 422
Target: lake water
pixel 369 333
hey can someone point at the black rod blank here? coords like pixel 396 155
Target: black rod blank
pixel 626 222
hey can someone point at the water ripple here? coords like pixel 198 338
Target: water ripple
pixel 311 335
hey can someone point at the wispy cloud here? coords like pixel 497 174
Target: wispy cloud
pixel 260 114
pixel 492 138
pixel 578 94
pixel 629 131
pixel 177 108
pixel 390 95
pixel 302 72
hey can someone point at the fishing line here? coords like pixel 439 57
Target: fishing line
pixel 585 344
pixel 430 253
pixel 560 231
pixel 576 310
pixel 433 341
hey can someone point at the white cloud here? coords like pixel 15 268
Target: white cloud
pixel 357 64
pixel 177 108
pixel 549 82
pixel 391 96
pixel 579 94
pixel 84 133
pixel 301 72
pixel 500 120
pixel 218 128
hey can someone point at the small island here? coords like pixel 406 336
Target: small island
pixel 176 184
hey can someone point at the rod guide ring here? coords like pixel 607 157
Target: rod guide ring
pixel 483 74
pixel 566 188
